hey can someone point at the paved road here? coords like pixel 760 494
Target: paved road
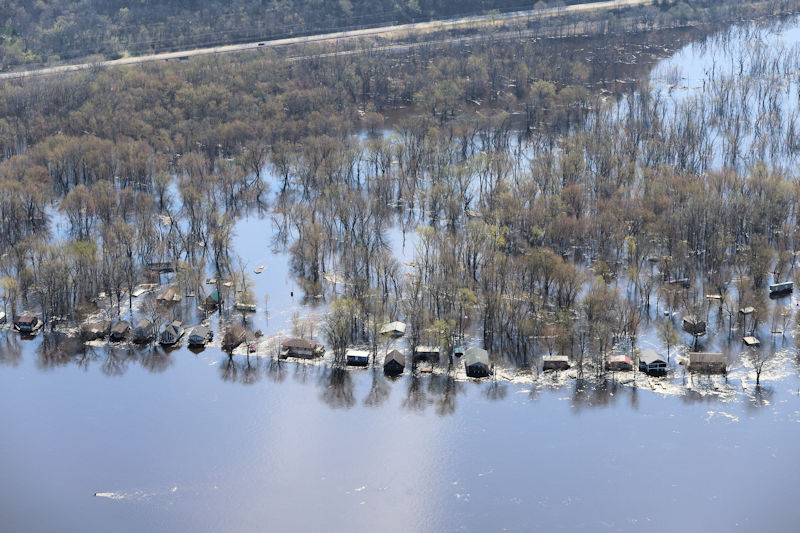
pixel 326 37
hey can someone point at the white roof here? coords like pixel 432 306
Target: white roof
pixel 393 326
pixel 427 349
pixel 357 353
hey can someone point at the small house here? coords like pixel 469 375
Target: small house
pixel 95 330
pixel 200 335
pixel 143 332
pixel 619 363
pixel 694 325
pixel 213 300
pixel 357 357
pixel 747 310
pixel 458 351
pixel 393 329
pixel 476 362
pixel 394 363
pixel 303 348
pixel 234 335
pixel 27 323
pixel 555 362
pixel 708 363
pixel 2 317
pixel 120 330
pixel 426 353
pixel 172 333
pixel 652 363
pixel 781 289
pixel 751 341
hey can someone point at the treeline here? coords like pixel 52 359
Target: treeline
pixel 39 33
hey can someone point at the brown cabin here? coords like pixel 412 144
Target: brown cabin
pixel 708 363
pixel 394 364
pixel 27 323
pixel 234 335
pixel 555 362
pixel 303 348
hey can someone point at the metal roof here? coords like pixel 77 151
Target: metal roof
pixel 650 356
pixel 475 355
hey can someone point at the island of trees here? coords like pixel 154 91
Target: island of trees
pixel 557 200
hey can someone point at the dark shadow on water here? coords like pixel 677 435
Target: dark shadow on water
pixel 338 388
pixel 155 361
pixel 497 390
pixel 380 389
pixel 10 350
pixel 416 397
pixel 444 389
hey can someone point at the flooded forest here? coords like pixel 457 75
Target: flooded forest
pixel 610 214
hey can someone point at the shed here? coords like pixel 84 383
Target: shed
pixel 458 351
pixel 426 353
pixel 555 362
pixel 143 331
pixel 357 357
pixel 95 330
pixel 779 289
pixel 2 317
pixel 619 363
pixel 199 336
pixel 751 341
pixel 476 362
pixel 304 348
pixel 652 363
pixel 694 325
pixel 747 310
pixel 393 329
pixel 27 323
pixel 172 333
pixel 234 336
pixel 394 363
pixel 120 330
pixel 709 363
pixel 213 300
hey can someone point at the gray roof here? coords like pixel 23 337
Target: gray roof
pixel 394 355
pixel 706 358
pixel 299 344
pixel 650 356
pixel 144 324
pixel 476 355
pixel 121 326
pixel 200 331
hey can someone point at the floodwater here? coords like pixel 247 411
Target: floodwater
pixel 135 440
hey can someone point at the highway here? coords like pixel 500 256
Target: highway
pixel 383 31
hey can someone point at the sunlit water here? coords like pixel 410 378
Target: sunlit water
pixel 138 440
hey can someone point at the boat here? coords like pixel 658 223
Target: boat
pixel 172 333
